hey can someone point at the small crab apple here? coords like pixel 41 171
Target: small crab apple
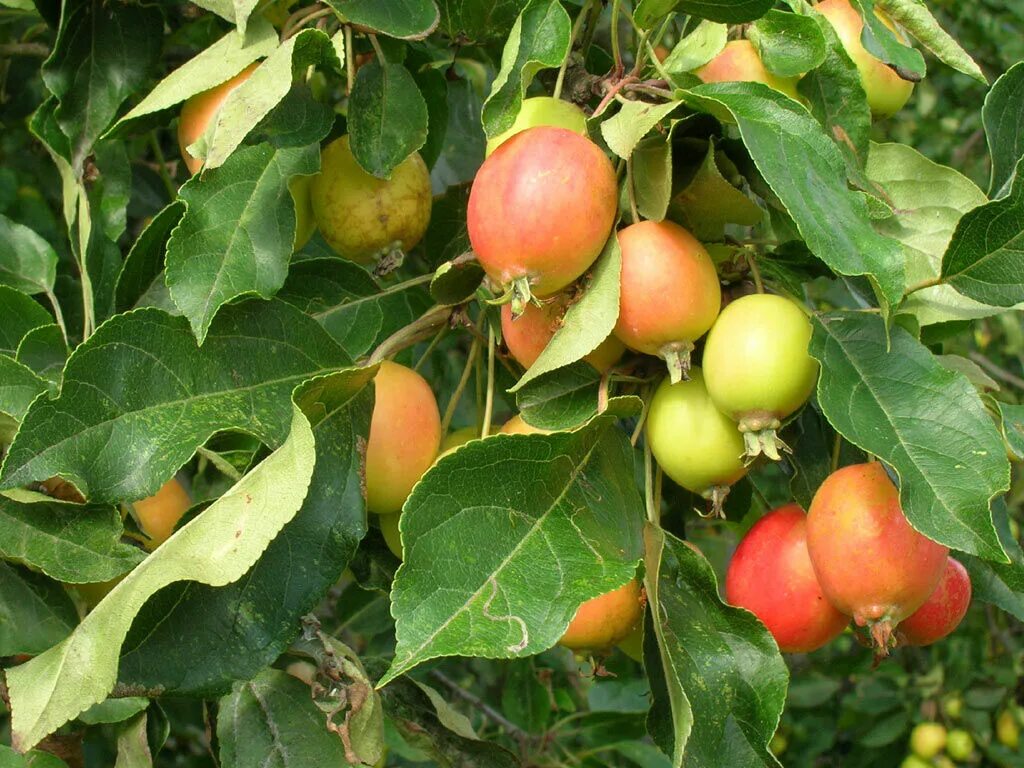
pixel 605 620
pixel 887 92
pixel 696 445
pixel 362 217
pixel 200 110
pixel 757 367
pixel 772 577
pixel 392 536
pixel 542 110
pixel 669 292
pixel 942 612
pixel 540 210
pixel 157 515
pixel 739 61
pixel 526 336
pixel 405 436
pixel 870 563
pixel 517 425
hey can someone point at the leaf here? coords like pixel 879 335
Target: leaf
pixel 648 12
pixel 588 322
pixel 914 16
pixel 139 397
pixel 217 547
pixel 404 19
pixel 45 352
pixel 707 201
pixel 1011 419
pixel 234 631
pixel 34 759
pixel 635 118
pixel 19 314
pixel 35 612
pixel 297 120
pixel 236 235
pixel 697 48
pixel 387 118
pixel 349 303
pixel 1001 584
pixel 253 100
pixel 561 399
pixel 985 258
pixel 882 43
pixel 208 69
pixel 789 44
pixel 456 281
pixel 807 172
pixel 539 40
pixel 27 262
pixel 563 517
pixel 272 721
pixel 19 386
pixel 143 267
pixel 114 710
pixel 652 176
pixel 419 717
pixel 837 98
pixel 926 422
pixel 726 679
pixel 133 745
pixel 1003 116
pixel 103 54
pixel 974 373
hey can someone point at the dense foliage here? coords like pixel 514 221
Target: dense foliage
pixel 516 383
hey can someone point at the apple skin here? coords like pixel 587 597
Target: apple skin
pixel 301 188
pixel 740 62
pixel 200 110
pixel 405 436
pixel 542 110
pixel 605 620
pixel 359 215
pixel 527 335
pixel 158 514
pixel 887 92
pixel 392 536
pixel 518 426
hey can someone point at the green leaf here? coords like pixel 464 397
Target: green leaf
pixel 914 16
pixel 562 399
pixel 623 131
pixel 1003 115
pixel 404 19
pixel 19 314
pixel 421 720
pixel 1001 584
pixel 123 425
pixel 19 386
pixel 588 322
pixel 387 117
pixel 726 681
pixel 297 120
pixel 35 612
pixel 649 12
pixel 27 262
pixel 236 235
pixel 68 542
pixel 925 421
pixel 1011 422
pixel 103 54
pixel 34 759
pixel 697 48
pixel 216 548
pixel 456 281
pixel 208 69
pixel 253 100
pixel 143 267
pixel 236 630
pixel 478 20
pixel 133 744
pixel 985 258
pixel 790 45
pixel 114 710
pixel 837 98
pixel 652 176
pixel 882 43
pixel 805 169
pixel 273 721
pixel 539 40
pixel 44 350
pixel 563 519
pixel 707 201
pixel 350 304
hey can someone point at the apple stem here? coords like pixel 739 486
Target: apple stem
pixel 584 12
pixel 676 355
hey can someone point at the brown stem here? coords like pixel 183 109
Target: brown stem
pixel 995 370
pixel 422 328
pixel 24 49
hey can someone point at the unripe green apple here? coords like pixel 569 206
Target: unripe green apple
pixel 392 537
pixel 927 740
pixel 953 706
pixel 305 221
pixel 542 110
pixel 887 92
pixel 959 744
pixel 1007 730
pixel 740 62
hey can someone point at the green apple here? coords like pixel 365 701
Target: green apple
pixel 543 110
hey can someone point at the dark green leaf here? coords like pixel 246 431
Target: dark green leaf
pixel 882 43
pixel 563 519
pixel 19 386
pixel 706 201
pixel 652 176
pixel 1003 115
pixel 35 612
pixel 404 19
pixel 44 350
pixel 298 120
pixel 789 44
pixel 726 681
pixel 27 262
pixel 456 281
pixel 649 12
pixel 157 415
pixel 387 117
pixel 562 399
pixel 805 169
pixel 1001 584
pixel 19 314
pixel 1011 418
pixel 434 89
pixel 145 262
pixel 236 235
pixel 539 40
pixel 925 421
pixel 478 20
pixel 985 258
